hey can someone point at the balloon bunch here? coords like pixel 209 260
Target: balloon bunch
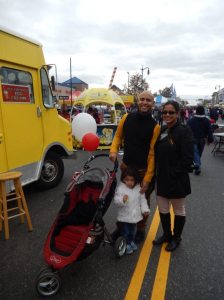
pixel 84 129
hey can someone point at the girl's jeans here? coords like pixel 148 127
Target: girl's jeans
pixel 128 231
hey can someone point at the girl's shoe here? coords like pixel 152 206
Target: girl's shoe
pixel 129 249
pixel 134 246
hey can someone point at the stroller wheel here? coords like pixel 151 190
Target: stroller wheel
pixel 120 246
pixel 48 283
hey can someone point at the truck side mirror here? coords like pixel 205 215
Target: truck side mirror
pixel 53 83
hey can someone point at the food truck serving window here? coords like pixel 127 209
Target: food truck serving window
pixel 17 85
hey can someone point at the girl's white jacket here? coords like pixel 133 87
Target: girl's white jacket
pixel 131 211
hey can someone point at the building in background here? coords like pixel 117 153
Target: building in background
pixel 76 83
pixel 221 96
pixel 117 90
pixel 69 90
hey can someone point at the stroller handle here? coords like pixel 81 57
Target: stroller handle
pixel 100 155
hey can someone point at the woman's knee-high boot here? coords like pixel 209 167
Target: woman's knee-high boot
pixel 179 222
pixel 167 234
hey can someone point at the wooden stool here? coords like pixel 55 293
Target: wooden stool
pixel 5 198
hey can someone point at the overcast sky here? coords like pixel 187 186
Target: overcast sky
pixel 181 41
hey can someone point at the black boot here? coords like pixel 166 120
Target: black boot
pixel 167 234
pixel 179 222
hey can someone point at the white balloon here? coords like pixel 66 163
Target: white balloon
pixel 83 123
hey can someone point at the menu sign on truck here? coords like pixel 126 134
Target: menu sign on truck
pixel 16 93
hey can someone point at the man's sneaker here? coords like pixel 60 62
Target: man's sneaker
pixel 134 246
pixel 197 172
pixel 196 167
pixel 129 249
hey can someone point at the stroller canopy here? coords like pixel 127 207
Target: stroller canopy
pixel 96 175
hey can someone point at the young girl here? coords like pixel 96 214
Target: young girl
pixel 132 206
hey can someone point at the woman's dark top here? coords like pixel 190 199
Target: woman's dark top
pixel 174 159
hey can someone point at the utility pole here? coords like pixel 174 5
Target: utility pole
pixel 128 81
pixel 71 80
pixel 148 72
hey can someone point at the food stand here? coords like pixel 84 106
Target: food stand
pixel 128 101
pixel 106 107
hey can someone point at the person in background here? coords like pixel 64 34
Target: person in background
pixel 138 133
pixel 174 158
pixel 93 111
pixel 190 113
pixel 214 114
pixel 202 131
pixel 221 113
pixel 132 206
pixel 160 117
pixel 182 115
pixel 155 114
pixel 186 114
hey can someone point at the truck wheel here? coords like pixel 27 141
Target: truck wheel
pixel 52 171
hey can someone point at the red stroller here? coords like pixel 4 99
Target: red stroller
pixel 79 228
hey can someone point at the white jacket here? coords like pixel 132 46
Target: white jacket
pixel 131 211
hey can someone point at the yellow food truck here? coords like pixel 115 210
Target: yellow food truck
pixel 33 137
pixel 106 107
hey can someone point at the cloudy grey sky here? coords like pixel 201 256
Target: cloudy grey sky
pixel 181 41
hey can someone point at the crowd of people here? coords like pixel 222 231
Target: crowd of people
pixel 186 113
pixel 162 145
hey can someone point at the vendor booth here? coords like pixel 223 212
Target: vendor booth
pixel 106 107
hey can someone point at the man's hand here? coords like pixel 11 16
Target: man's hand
pixel 113 156
pixel 144 187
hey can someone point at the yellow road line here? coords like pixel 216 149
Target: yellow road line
pixel 159 287
pixel 140 269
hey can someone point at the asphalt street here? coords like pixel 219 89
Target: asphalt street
pixel 195 270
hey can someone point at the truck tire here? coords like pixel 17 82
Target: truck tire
pixel 52 171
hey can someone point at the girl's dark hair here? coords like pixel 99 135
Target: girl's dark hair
pixel 175 104
pixel 130 171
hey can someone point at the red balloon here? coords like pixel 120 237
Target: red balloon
pixel 90 141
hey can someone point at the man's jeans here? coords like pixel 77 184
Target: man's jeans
pixel 198 150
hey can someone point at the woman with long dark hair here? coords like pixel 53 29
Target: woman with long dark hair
pixel 174 157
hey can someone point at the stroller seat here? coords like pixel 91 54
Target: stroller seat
pixel 70 238
pixel 73 225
